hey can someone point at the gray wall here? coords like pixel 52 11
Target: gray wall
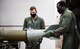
pixel 13 12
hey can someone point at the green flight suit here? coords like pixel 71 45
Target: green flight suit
pixel 38 23
pixel 67 28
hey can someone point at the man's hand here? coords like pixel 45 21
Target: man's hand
pixel 48 34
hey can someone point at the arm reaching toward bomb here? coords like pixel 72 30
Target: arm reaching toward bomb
pixel 50 33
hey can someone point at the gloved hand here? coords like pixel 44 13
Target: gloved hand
pixel 48 34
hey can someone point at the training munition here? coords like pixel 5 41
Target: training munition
pixel 19 35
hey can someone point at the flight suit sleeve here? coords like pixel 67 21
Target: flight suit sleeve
pixel 25 24
pixel 65 25
pixel 42 24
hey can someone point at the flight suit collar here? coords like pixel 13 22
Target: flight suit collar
pixel 35 18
